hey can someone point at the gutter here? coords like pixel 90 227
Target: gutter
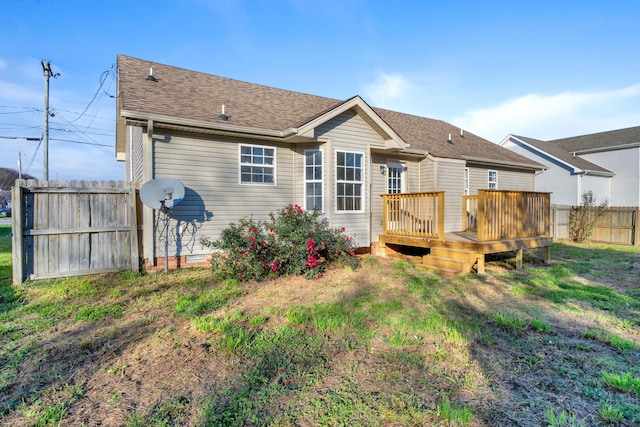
pixel 609 148
pixel 493 162
pixel 170 121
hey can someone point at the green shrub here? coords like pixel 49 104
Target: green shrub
pixel 293 242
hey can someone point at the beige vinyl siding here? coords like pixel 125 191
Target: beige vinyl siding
pixel 209 170
pixel 427 176
pixel 508 179
pixel 450 179
pixel 378 187
pixel 348 132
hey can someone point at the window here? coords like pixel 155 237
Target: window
pixel 349 179
pixel 493 180
pixel 313 179
pixel 257 165
pixel 466 181
pixel 395 173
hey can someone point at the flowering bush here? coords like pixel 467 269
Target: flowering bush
pixel 293 241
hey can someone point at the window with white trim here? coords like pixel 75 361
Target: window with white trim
pixel 493 180
pixel 349 181
pixel 395 178
pixel 257 165
pixel 313 179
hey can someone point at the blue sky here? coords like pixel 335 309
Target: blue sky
pixel 543 69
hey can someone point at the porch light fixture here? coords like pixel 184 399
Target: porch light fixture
pixel 383 169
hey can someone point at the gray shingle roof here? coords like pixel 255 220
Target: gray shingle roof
pixel 193 95
pixel 608 139
pixel 554 149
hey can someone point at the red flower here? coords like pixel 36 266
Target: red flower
pixel 251 239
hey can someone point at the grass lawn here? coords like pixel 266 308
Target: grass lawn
pixel 386 344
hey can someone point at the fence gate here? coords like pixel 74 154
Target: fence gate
pixel 73 228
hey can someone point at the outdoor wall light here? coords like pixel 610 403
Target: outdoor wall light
pixel 383 169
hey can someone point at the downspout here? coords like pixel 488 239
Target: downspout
pixel 148 221
pixel 294 193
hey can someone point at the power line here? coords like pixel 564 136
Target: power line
pixel 103 78
pixel 84 143
pixel 28 138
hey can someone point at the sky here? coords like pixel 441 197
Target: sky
pixel 542 69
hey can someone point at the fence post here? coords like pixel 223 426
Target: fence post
pixel 133 218
pixel 17 221
pixel 636 229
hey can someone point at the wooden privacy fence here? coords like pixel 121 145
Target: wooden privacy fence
pixel 618 225
pixel 73 228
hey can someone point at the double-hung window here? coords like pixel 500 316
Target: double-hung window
pixel 257 165
pixel 313 179
pixel 349 181
pixel 493 180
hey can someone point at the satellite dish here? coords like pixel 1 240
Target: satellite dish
pixel 162 193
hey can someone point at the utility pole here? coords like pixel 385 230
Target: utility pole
pixel 46 67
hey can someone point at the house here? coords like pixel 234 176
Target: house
pixel 243 149
pixel 607 164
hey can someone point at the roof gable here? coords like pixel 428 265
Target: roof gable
pixel 557 152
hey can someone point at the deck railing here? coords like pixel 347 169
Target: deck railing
pixel 414 214
pixel 469 213
pixel 504 214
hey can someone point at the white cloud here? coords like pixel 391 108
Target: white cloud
pixel 388 89
pixel 19 93
pixel 3 64
pixel 556 116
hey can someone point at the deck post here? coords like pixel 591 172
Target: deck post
pixel 480 264
pixel 519 257
pixel 441 215
pixel 547 254
pixel 481 218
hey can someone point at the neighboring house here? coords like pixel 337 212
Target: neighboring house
pixel 606 164
pixel 245 149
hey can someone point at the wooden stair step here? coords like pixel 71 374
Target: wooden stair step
pixel 449 261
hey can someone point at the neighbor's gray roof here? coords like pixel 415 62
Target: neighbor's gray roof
pixel 613 138
pixel 193 95
pixel 554 149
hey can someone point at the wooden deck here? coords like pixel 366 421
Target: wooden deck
pixel 494 221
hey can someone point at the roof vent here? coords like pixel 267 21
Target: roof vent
pixel 223 116
pixel 462 132
pixel 449 140
pixel 150 76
